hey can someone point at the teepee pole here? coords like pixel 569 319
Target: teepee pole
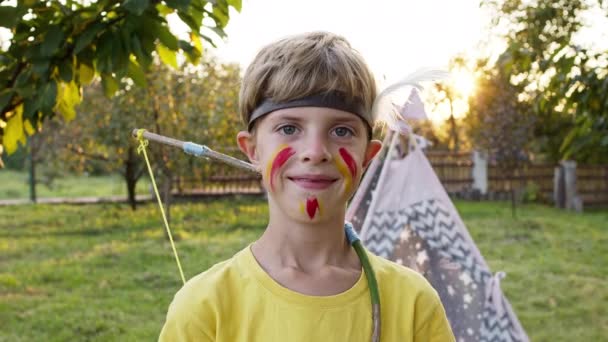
pixel 381 180
pixel 367 180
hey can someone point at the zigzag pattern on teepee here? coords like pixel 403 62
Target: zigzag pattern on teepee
pixel 495 329
pixel 384 230
pixel 433 222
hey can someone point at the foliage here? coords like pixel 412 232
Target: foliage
pixel 192 103
pixel 499 123
pixel 58 46
pixel 566 84
pixel 105 273
pixel 447 94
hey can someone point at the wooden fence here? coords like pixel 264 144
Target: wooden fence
pixel 536 178
pixel 592 184
pixel 455 171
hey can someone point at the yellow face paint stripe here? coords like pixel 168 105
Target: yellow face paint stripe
pixel 343 169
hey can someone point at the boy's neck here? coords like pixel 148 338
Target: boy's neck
pixel 308 247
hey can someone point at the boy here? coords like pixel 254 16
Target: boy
pixel 307 103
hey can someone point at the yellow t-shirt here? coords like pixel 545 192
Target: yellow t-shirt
pixel 237 301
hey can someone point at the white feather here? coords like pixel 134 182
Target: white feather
pixel 384 109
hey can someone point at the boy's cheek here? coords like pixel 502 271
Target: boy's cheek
pixel 276 162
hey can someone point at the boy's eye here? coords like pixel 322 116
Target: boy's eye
pixel 343 132
pixel 288 129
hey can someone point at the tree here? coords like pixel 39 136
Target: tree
pixel 59 46
pixel 564 83
pixel 501 125
pixel 193 103
pixel 450 94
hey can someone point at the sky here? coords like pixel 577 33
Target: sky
pixel 394 36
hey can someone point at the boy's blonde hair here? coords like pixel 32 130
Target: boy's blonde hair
pixel 304 65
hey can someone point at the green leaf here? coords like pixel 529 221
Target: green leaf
pixel 220 17
pixel 110 85
pixel 181 5
pixel 196 42
pixel 30 107
pixel 167 56
pixel 52 41
pixel 191 52
pixel 166 37
pixel 163 9
pixel 190 21
pixel 48 95
pixel 86 73
pixel 8 16
pixel 104 53
pixel 68 97
pixel 66 70
pixel 5 97
pixel 144 59
pixel 87 36
pixel 13 132
pixel 136 74
pixel 136 7
pixel 41 66
pixel 120 57
pixel 27 90
pixel 24 78
pixel 236 4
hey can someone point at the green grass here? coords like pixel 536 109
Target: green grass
pixel 105 273
pixel 15 185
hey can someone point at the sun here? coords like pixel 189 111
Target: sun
pixel 464 83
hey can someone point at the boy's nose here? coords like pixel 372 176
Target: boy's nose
pixel 315 151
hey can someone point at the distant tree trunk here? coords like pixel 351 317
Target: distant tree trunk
pixel 513 204
pixel 510 175
pixel 32 170
pixel 131 177
pixel 453 130
pixel 166 195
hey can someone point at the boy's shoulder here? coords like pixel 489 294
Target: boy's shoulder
pixel 206 285
pixel 399 280
pixel 385 268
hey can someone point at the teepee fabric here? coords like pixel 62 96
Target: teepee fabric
pixel 403 213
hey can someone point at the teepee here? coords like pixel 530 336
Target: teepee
pixel 402 213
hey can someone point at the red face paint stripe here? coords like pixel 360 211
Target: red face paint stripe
pixel 280 160
pixel 349 160
pixel 312 204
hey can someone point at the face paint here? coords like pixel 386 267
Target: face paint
pixel 312 207
pixel 347 167
pixel 279 159
pixel 349 160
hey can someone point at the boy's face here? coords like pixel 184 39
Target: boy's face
pixel 311 158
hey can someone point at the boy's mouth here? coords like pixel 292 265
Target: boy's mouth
pixel 313 182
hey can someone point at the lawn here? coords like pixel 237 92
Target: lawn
pixel 15 185
pixel 105 273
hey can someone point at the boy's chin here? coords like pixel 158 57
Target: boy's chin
pixel 311 207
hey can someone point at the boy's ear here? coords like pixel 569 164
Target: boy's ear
pixel 373 147
pixel 246 142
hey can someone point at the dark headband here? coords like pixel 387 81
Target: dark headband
pixel 333 100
